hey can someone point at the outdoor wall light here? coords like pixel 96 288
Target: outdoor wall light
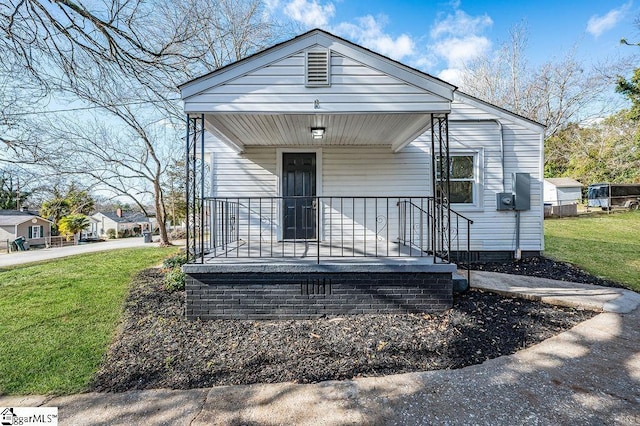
pixel 317 132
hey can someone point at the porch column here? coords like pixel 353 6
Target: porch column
pixel 440 178
pixel 195 176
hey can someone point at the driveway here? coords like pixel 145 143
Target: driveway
pixel 29 256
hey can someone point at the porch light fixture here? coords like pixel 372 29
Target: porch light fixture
pixel 317 132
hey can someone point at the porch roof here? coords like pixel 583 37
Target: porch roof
pixel 264 100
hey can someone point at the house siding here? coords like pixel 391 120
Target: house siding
pixel 377 171
pixel 475 128
pixel 563 195
pixel 7 232
pixel 280 87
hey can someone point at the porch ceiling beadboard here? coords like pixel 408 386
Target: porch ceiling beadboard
pixel 263 99
pixel 340 129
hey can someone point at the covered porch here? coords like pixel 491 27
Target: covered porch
pixel 304 175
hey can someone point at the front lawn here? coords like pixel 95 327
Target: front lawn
pixel 605 245
pixel 58 317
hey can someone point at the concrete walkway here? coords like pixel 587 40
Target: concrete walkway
pixel 22 257
pixel 587 375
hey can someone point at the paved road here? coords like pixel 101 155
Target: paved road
pixel 589 375
pixel 21 257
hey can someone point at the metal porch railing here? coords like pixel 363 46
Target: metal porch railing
pixel 425 226
pixel 327 227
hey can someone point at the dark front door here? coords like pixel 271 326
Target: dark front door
pixel 299 191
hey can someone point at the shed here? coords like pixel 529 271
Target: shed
pixel 562 191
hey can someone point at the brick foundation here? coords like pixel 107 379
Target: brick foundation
pixel 290 295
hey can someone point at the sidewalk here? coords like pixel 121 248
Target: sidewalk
pixel 587 375
pixel 22 257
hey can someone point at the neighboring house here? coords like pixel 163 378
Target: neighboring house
pixel 318 150
pixel 120 221
pixel 92 231
pixel 35 229
pixel 562 191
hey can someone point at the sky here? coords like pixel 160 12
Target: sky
pixel 439 36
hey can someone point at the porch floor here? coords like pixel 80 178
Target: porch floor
pixel 370 252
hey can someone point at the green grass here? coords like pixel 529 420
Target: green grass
pixel 57 318
pixel 606 245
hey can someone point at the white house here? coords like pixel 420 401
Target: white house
pixel 120 222
pixel 562 191
pixel 321 149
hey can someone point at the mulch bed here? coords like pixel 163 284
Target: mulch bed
pixel 157 347
pixel 544 267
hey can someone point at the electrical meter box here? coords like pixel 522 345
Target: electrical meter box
pixel 521 187
pixel 504 201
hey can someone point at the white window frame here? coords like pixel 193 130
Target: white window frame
pixel 477 181
pixel 35 230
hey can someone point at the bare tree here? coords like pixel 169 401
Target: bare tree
pixel 555 94
pixel 123 59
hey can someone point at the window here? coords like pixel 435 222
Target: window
pixel 462 178
pixel 35 231
pixel 317 67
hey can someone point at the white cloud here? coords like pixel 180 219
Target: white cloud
pixel 369 32
pixel 310 13
pixel 460 24
pixel 458 51
pixel 598 25
pixel 451 75
pixel 456 39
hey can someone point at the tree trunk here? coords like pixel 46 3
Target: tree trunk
pixel 160 213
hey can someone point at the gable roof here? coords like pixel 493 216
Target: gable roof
pixel 127 217
pixel 318 37
pixel 17 217
pixel 563 182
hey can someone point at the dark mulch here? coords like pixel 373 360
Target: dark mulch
pixel 544 267
pixel 157 347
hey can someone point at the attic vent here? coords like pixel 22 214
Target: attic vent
pixel 317 67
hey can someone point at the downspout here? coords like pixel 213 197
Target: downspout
pixel 501 151
pixel 517 254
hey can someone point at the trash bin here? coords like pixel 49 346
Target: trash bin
pixel 147 236
pixel 20 243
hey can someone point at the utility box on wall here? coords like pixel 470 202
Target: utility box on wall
pixel 504 201
pixel 521 186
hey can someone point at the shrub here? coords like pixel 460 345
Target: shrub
pixel 111 233
pixel 178 234
pixel 174 279
pixel 175 261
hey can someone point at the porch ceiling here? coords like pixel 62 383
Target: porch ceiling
pixel 241 130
